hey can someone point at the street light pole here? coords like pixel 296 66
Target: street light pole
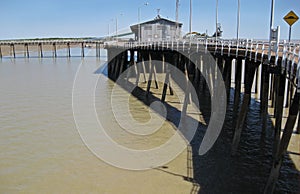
pixel 139 18
pixel 272 14
pixel 139 21
pixel 190 18
pixel 238 22
pixel 216 21
pixel 117 28
pixel 108 29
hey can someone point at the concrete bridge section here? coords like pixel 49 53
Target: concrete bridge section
pixel 273 71
pixel 40 44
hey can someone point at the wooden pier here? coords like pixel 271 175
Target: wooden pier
pixel 39 45
pixel 274 74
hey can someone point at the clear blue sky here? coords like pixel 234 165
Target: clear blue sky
pixel 85 18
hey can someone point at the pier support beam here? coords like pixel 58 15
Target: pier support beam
pixel 257 80
pixel 143 66
pixel 264 101
pixel 227 75
pixel 98 53
pixel 166 83
pixel 82 50
pixel 0 52
pixel 131 62
pixel 280 83
pixel 26 51
pixel 237 82
pixel 111 63
pixel 12 50
pixel 288 130
pixel 298 127
pixel 150 74
pixel 124 62
pixel 54 54
pixel 68 50
pixel 40 48
pixel 244 108
pixel 288 95
pixel 273 90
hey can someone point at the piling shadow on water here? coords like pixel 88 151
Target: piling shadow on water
pixel 219 172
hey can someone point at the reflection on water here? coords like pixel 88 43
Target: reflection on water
pixel 41 149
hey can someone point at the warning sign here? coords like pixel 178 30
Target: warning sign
pixel 291 18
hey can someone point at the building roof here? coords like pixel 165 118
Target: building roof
pixel 157 19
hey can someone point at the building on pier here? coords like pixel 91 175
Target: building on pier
pixel 158 29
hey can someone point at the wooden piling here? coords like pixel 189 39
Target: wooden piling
pixel 287 97
pixel 82 50
pixel 97 48
pixel 143 65
pixel 197 72
pixel 271 89
pixel 12 50
pixel 244 108
pixel 220 62
pixel 166 83
pixel 124 62
pixel 227 74
pixel 26 50
pixel 280 79
pixel 298 126
pixel 68 50
pixel 283 145
pixel 131 63
pixel 264 96
pixel 261 93
pixel 137 69
pixel 40 48
pixel 110 56
pixel 150 74
pixel 54 54
pixel 292 91
pixel 257 80
pixel 0 52
pixel 237 81
pixel 116 64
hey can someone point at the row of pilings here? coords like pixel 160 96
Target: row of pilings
pixel 40 49
pixel 273 84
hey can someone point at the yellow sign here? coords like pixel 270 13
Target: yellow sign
pixel 291 18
